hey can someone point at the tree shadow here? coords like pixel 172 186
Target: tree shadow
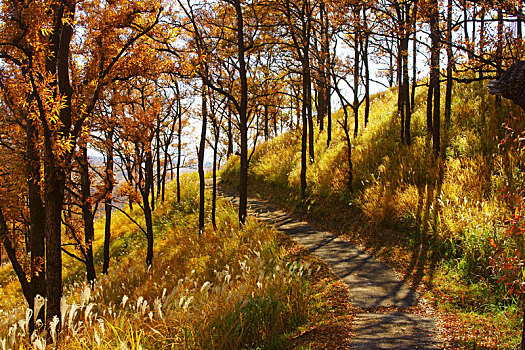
pixel 425 254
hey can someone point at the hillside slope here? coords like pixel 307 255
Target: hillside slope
pixel 436 228
pixel 228 288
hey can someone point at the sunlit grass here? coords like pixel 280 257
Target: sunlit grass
pixel 226 289
pixel 395 186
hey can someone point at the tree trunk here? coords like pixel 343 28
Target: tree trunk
pixel 179 151
pixel 414 62
pixel 328 86
pixel 157 153
pixel 355 105
pixel 54 196
pixel 430 94
pixel 217 129
pixel 243 115
pixel 36 215
pixel 400 92
pixel 230 135
pixel 307 95
pixel 54 171
pixel 304 137
pixel 367 69
pixel 87 214
pixel 202 184
pixel 348 140
pixel 434 80
pixel 450 63
pixel 148 181
pixel 406 88
pixel 266 131
pixel 108 201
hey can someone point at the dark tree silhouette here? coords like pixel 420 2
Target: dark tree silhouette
pixel 510 84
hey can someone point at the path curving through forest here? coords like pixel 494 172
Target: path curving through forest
pixel 382 299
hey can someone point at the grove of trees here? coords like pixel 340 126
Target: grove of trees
pixel 125 79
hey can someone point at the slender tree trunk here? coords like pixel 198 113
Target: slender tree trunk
pixel 323 64
pixel 401 90
pixel 391 67
pixel 366 66
pixel 202 213
pixel 130 177
pixel 328 87
pixel 434 80
pixel 148 181
pixel 243 115
pixel 406 89
pixel 450 63
pixel 266 120
pixel 217 130
pixel 414 62
pixel 307 95
pixel 152 186
pixel 230 135
pixel 355 106
pixel 430 94
pixel 348 140
pixel 108 201
pixel 179 151
pixel 304 137
pixel 157 153
pixel 87 214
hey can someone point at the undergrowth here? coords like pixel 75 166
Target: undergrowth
pixel 433 220
pixel 226 289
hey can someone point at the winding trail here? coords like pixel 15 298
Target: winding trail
pixel 380 296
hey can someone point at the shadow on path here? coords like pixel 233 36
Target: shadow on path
pixel 373 285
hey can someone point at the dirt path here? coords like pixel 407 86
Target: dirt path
pixel 383 321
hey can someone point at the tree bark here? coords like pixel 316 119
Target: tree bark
pixel 108 201
pixel 243 114
pixel 217 130
pixel 366 66
pixel 87 214
pixel 148 181
pixel 355 105
pixel 434 80
pixel 202 146
pixel 450 63
pixel 36 214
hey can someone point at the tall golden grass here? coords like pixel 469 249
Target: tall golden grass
pixel 226 289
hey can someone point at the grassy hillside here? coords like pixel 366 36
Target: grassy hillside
pixel 435 228
pixel 227 289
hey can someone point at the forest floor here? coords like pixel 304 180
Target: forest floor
pixel 388 314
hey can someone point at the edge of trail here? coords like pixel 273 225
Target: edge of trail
pixel 385 318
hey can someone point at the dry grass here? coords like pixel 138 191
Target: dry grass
pixel 227 289
pixel 434 226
